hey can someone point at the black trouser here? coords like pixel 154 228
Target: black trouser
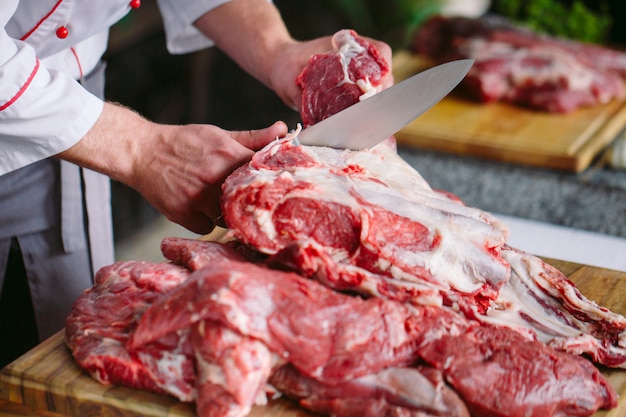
pixel 18 329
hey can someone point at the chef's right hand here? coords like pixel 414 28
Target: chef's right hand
pixel 178 169
pixel 183 174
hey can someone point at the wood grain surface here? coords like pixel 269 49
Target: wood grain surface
pixel 46 380
pixel 508 133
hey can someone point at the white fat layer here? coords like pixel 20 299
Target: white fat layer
pixel 348 48
pixel 514 302
pixel 237 318
pixel 422 293
pixel 253 320
pixel 587 344
pixel 561 68
pixel 460 261
pixel 214 373
pixel 264 219
pixel 169 366
pixel 242 371
pixel 211 372
pixel 526 296
pixel 409 385
pixel 368 89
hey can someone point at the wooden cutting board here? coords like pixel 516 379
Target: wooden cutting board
pixel 48 379
pixel 507 133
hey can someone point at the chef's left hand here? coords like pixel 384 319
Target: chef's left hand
pixel 178 169
pixel 254 35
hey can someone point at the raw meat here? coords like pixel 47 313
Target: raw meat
pixel 541 298
pixel 524 68
pixel 492 369
pixel 232 370
pixel 196 254
pixel 229 324
pixel 362 349
pixel 233 325
pixel 421 388
pixel 104 317
pixel 284 311
pixel 366 222
pixel 442 300
pixel 330 82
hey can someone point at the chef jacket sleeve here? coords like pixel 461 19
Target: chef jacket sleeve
pixel 41 112
pixel 178 17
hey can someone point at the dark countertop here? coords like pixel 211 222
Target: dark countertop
pixel 593 200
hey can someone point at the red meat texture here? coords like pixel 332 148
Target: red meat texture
pixel 217 327
pixel 518 66
pixel 237 325
pixel 330 82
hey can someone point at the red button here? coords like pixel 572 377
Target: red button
pixel 62 32
pixel 134 4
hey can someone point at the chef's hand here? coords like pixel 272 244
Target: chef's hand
pixel 178 169
pixel 262 45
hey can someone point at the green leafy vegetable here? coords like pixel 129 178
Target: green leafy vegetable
pixel 574 21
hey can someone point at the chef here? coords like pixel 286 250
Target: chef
pixel 60 142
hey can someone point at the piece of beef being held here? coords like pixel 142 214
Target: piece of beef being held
pixel 330 82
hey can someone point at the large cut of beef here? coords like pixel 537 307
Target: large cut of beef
pixel 330 82
pixel 440 316
pixel 351 286
pixel 217 335
pixel 518 66
pixel 104 317
pixel 367 222
pixel 229 327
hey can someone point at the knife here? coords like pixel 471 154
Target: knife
pixel 366 123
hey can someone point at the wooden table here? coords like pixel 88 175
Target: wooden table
pixel 46 382
pixel 508 133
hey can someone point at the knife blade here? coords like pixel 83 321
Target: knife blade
pixel 366 123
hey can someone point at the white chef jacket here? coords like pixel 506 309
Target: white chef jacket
pixel 45 108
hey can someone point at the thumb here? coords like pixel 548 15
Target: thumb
pixel 257 139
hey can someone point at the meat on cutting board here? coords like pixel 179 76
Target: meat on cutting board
pixel 524 68
pixel 284 311
pixel 104 317
pixel 366 222
pixel 422 387
pixel 497 371
pixel 225 325
pixel 236 325
pixel 229 324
